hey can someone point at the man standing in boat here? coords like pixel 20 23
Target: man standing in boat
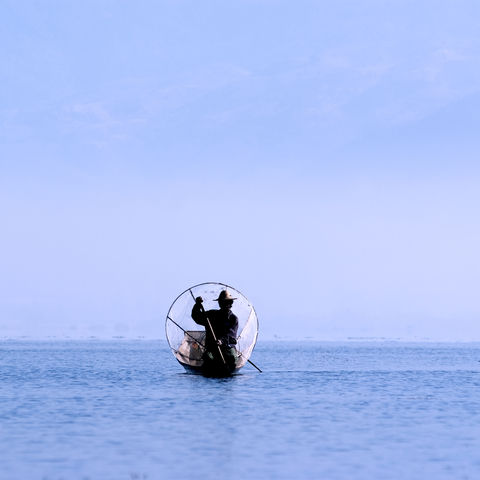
pixel 224 336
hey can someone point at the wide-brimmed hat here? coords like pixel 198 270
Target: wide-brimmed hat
pixel 224 295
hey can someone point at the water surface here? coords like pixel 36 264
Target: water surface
pixel 126 410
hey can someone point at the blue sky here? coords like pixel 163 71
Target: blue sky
pixel 321 157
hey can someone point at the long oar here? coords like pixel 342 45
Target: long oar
pixel 202 345
pixel 211 329
pixel 250 362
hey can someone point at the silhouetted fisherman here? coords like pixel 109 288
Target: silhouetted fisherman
pixel 225 325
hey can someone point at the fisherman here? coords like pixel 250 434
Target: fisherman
pixel 225 325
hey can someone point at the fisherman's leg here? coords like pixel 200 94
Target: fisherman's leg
pixel 230 355
pixel 208 359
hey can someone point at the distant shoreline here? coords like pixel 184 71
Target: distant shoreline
pixel 351 340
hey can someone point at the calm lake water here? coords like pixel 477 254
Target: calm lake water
pixel 127 410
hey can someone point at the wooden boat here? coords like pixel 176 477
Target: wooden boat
pixel 187 339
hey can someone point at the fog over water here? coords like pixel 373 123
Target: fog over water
pixel 322 161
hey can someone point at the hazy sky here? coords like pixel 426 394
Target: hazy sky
pixel 321 157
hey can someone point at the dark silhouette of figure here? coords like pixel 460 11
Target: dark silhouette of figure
pixel 224 336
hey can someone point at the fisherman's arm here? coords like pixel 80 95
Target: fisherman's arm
pixel 198 312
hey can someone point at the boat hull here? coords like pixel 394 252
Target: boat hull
pixel 218 371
